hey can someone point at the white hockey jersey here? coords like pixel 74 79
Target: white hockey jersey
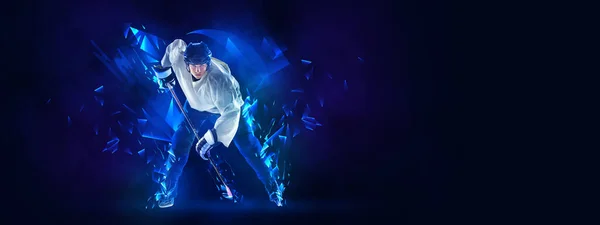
pixel 216 92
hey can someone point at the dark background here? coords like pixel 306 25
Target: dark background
pixel 392 151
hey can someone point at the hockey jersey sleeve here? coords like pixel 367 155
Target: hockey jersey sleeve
pixel 173 53
pixel 225 94
pixel 222 64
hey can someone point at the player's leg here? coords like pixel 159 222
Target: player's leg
pixel 250 147
pixel 182 142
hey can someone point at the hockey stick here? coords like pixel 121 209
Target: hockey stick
pixel 229 193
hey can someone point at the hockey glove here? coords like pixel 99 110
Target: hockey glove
pixel 206 143
pixel 165 76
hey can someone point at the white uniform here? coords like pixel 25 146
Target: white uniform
pixel 216 92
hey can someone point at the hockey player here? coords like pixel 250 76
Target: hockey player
pixel 213 96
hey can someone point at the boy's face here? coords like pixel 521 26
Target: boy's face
pixel 197 70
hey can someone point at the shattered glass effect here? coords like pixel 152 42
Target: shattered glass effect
pixel 146 130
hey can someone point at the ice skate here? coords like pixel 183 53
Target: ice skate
pixel 166 202
pixel 276 198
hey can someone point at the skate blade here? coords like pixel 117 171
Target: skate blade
pixel 165 206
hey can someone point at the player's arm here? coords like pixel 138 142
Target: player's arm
pixel 224 94
pixel 164 72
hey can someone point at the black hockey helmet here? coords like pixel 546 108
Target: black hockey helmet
pixel 197 53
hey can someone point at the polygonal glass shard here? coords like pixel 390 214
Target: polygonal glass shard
pixel 289 136
pixel 134 31
pixel 104 59
pixel 115 113
pixel 173 116
pixel 156 136
pixel 159 170
pixel 48 102
pixel 100 56
pixel 321 101
pixel 269 160
pixel 142 122
pixel 155 41
pixel 272 125
pixel 270 48
pixel 112 145
pixel 126 31
pixel 281 120
pixel 114 149
pixel 278 52
pixel 123 65
pixel 100 89
pixel 345 85
pixel 298 90
pixel 168 165
pixel 287 110
pixel 142 152
pixel 145 113
pixel 139 37
pixel 69 121
pixel 81 109
pixel 156 177
pixel 128 151
pixel 141 126
pixel 264 45
pixel 99 100
pixel 96 128
pixel 296 131
pixel 306 111
pixel 253 108
pixel 121 125
pixel 249 121
pixel 305 62
pixel 309 74
pixel 310 123
pixel 274 135
pixel 258 125
pixel 309 119
pixel 283 139
pixel 149 58
pixel 360 59
pixel 263 151
pixel 149 159
pixel 330 76
pixel 265 111
pixel 171 154
pixel 128 109
pixel 310 127
pixel 232 49
pixel 148 47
